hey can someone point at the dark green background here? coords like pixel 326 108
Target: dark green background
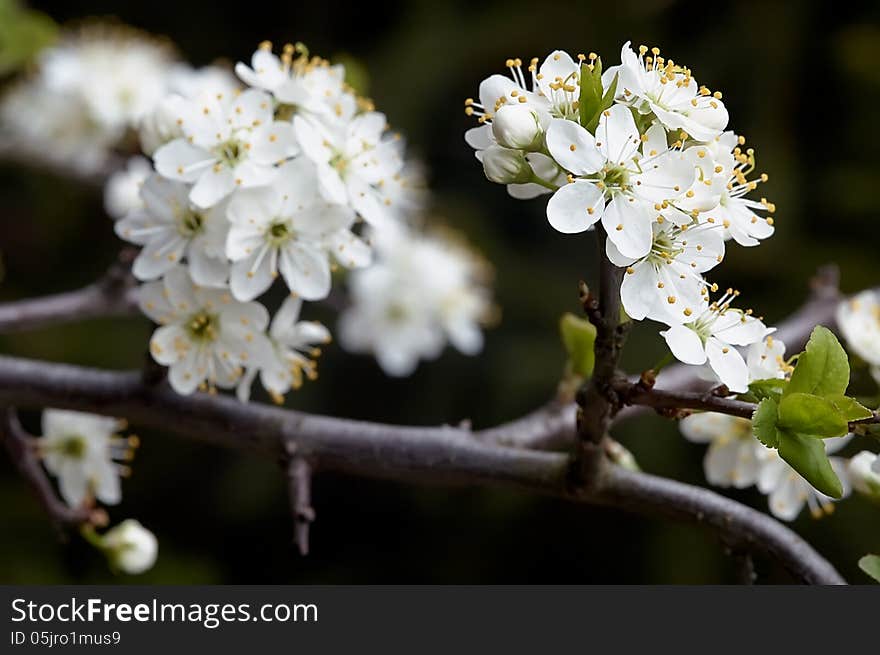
pixel 801 81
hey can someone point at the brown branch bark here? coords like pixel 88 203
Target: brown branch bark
pixel 299 482
pixel 115 294
pixel 421 454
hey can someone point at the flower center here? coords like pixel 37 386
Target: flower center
pixel 279 233
pixel 396 313
pixel 73 446
pixel 190 223
pixel 664 249
pixel 615 177
pixel 231 153
pixel 203 327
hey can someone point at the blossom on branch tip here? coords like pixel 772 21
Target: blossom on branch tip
pixel 82 451
pixel 130 547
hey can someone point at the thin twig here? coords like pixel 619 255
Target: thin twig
pixel 299 483
pixel 427 455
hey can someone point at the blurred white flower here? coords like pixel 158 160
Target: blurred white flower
pixel 79 449
pixel 206 337
pixel 859 320
pixel 788 492
pixel 130 547
pixel 734 457
pixel 122 192
pixel 420 293
pixel 295 347
pixel 864 473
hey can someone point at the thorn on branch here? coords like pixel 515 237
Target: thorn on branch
pixel 826 281
pixel 299 481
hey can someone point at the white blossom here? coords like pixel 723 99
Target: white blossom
pixel 79 449
pixel 711 338
pixel 505 166
pixel 735 457
pixel 295 347
pixel 766 360
pixel 130 547
pixel 652 84
pixel 122 192
pixel 420 293
pixel 288 227
pixel 301 84
pixel 352 161
pixel 206 337
pixel 859 321
pixel 230 142
pixel 666 284
pixel 170 229
pixel 616 167
pixel 788 491
pixel 864 473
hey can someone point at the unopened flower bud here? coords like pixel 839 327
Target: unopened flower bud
pixel 518 127
pixel 865 474
pixel 130 547
pixel 506 166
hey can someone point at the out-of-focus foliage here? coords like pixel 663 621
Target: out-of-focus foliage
pixel 23 33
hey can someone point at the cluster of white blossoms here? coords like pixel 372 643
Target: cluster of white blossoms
pixel 654 163
pixel 422 291
pixel 89 92
pixel 280 177
pixel 86 454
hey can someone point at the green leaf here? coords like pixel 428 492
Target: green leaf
pixel 823 369
pixel 764 423
pixel 578 337
pixel 607 101
pixel 812 415
pixel 870 564
pixel 849 408
pixel 590 101
pixel 807 456
pixel 769 388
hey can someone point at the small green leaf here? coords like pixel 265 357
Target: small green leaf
pixel 849 408
pixel 807 456
pixel 769 388
pixel 764 423
pixel 823 369
pixel 607 101
pixel 808 414
pixel 870 564
pixel 590 101
pixel 578 337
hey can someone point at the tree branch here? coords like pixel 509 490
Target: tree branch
pixel 421 454
pixel 115 294
pixel 21 451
